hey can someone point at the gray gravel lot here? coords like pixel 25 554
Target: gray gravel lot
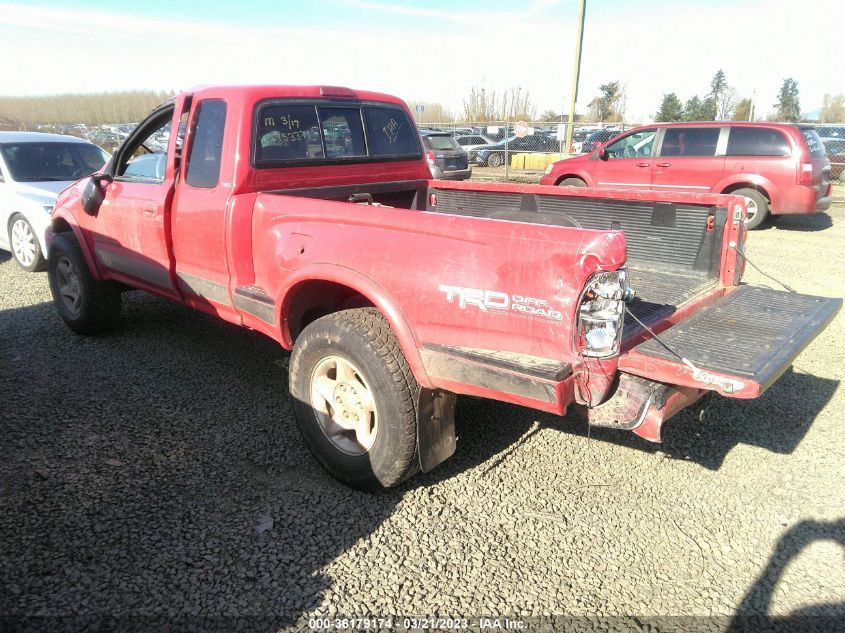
pixel 158 472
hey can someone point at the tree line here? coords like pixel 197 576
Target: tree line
pixel 722 103
pixel 91 109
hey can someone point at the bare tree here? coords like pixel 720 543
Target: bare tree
pixel 432 112
pixel 91 109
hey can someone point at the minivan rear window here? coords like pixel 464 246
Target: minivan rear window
pixel 757 141
pixel 327 133
pixel 444 142
pixel 814 143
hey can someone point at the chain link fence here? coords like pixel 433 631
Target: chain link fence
pixel 525 145
pixel 833 138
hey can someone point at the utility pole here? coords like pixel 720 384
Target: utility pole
pixel 576 73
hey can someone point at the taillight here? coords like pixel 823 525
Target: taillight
pixel 805 174
pixel 601 313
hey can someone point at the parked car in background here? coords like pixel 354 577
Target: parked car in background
pixel 447 160
pixel 779 168
pixel 471 141
pixel 493 155
pixel 34 168
pixel 835 151
pixel 597 137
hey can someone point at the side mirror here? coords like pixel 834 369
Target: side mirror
pixel 602 153
pixel 93 194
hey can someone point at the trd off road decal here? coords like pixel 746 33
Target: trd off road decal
pixel 494 301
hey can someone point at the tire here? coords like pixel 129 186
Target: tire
pixel 572 182
pixel 86 305
pixel 756 201
pixel 26 250
pixel 362 339
pixel 495 160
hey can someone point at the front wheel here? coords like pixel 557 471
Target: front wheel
pixel 756 207
pixel 25 246
pixel 495 160
pixel 354 399
pixel 86 305
pixel 572 182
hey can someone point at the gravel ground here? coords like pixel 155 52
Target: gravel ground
pixel 158 472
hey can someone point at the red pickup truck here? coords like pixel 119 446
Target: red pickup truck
pixel 309 214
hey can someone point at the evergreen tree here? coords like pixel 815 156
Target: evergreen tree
pixel 671 109
pixel 788 107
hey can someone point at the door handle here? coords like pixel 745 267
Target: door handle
pixel 663 165
pixel 643 164
pixel 149 212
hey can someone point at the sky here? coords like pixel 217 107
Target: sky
pixel 430 51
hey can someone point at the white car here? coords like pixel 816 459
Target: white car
pixel 471 141
pixel 34 169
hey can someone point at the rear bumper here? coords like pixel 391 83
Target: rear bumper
pixel 452 174
pixel 799 200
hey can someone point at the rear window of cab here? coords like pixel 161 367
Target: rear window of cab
pixel 295 133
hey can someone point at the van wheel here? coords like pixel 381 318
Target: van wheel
pixel 25 247
pixel 495 160
pixel 86 305
pixel 354 399
pixel 572 182
pixel 757 207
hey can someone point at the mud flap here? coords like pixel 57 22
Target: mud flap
pixel 435 427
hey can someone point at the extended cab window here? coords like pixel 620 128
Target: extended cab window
pixel 326 133
pixel 690 141
pixel 207 144
pixel 757 141
pixel 633 145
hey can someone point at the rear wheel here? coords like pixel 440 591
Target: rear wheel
pixel 86 305
pixel 24 244
pixel 495 160
pixel 572 182
pixel 354 399
pixel 756 207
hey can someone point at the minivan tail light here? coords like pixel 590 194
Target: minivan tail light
pixel 805 176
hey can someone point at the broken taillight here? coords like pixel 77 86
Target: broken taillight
pixel 601 313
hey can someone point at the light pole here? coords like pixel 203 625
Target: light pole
pixel 576 73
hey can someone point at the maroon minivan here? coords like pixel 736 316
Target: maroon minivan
pixel 780 168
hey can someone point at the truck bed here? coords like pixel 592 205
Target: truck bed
pixel 672 256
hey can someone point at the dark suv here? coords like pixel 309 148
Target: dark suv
pixel 446 159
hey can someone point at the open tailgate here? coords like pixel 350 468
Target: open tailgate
pixel 738 345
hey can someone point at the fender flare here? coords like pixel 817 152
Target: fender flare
pixel 368 288
pixel 80 238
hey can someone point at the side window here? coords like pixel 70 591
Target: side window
pixel 636 145
pixel 145 159
pixel 207 144
pixel 342 132
pixel 389 133
pixel 756 141
pixel 690 141
pixel 288 132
